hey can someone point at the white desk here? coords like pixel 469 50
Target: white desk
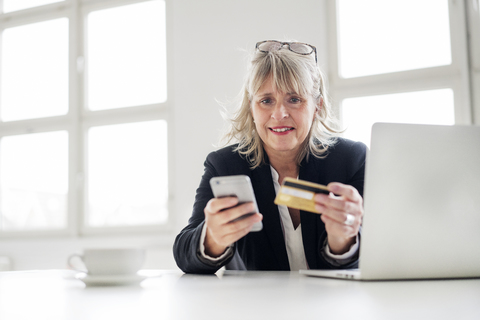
pixel 234 295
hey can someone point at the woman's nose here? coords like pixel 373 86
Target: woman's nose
pixel 280 112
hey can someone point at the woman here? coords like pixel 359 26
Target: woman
pixel 282 128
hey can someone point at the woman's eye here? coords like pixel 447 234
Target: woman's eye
pixel 295 100
pixel 266 101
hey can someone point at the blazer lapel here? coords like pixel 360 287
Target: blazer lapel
pixel 265 191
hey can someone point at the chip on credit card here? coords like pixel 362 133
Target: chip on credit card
pixel 298 194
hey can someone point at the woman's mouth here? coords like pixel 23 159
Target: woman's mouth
pixel 282 129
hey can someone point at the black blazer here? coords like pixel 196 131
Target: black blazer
pixel 265 250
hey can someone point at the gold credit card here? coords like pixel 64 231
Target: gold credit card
pixel 298 194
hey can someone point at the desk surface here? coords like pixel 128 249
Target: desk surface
pixel 56 294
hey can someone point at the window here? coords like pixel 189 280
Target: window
pixel 399 61
pixel 403 42
pixel 35 70
pixel 34 181
pixel 126 177
pixel 473 26
pixel 427 107
pixel 126 61
pixel 15 5
pixel 83 117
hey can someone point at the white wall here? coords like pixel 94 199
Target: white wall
pixel 206 63
pixel 210 38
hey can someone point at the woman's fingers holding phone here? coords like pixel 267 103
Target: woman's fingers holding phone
pixel 225 223
pixel 225 210
pixel 238 228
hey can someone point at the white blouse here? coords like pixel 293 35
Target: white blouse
pixel 292 236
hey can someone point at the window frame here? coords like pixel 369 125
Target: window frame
pixel 473 21
pixel 454 76
pixel 79 119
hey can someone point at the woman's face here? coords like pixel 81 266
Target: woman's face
pixel 282 120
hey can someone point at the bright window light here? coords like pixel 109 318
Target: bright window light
pixel 34 71
pixel 14 5
pixel 378 36
pixel 34 181
pixel 422 107
pixel 127 179
pixel 126 56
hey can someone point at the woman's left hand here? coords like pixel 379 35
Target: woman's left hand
pixel 342 212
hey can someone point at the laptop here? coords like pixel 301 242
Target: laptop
pixel 422 205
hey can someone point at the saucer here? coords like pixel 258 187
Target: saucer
pixel 110 280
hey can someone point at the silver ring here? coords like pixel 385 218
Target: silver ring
pixel 349 220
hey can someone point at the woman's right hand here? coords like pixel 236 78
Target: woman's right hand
pixel 221 230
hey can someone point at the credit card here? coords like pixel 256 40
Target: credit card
pixel 298 194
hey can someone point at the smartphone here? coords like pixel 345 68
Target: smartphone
pixel 236 186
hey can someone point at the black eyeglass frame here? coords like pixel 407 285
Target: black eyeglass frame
pixel 289 48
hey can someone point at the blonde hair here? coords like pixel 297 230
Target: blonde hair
pixel 290 72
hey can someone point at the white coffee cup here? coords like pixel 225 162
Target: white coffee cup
pixel 112 261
